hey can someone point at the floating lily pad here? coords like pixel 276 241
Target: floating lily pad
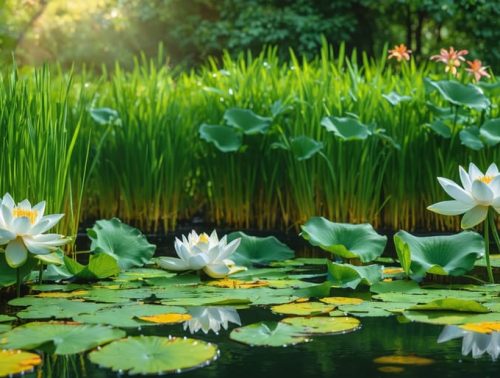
pixel 401 286
pixel 347 275
pixel 345 240
pixel 237 284
pixel 324 324
pixel 62 294
pixel 373 309
pixel 404 360
pixel 269 334
pixel 58 308
pixel 154 355
pixel 341 301
pixel 170 318
pixel 7 318
pixel 450 317
pixel 452 304
pixel 17 362
pixel 5 328
pixel 125 243
pixel 306 308
pixel 59 338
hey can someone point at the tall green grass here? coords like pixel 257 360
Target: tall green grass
pixel 153 169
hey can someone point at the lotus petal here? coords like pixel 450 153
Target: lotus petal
pixel 450 207
pixel 474 216
pixel 16 253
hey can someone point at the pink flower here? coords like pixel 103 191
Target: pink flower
pixel 400 52
pixel 451 58
pixel 477 69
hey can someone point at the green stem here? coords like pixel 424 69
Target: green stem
pixel 18 283
pixel 487 250
pixel 40 274
pixel 494 229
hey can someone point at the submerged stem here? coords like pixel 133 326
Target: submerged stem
pixel 18 282
pixel 487 250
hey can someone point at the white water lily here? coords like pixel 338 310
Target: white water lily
pixel 211 319
pixel 477 194
pixel 205 252
pixel 22 229
pixel 477 343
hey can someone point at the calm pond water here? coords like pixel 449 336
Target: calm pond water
pixel 344 355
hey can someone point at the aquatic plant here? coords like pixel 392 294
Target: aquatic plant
pixel 211 319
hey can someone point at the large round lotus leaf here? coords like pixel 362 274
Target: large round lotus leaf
pixel 450 317
pixel 127 316
pixel 452 255
pixel 269 334
pixel 58 308
pixel 396 287
pixel 125 243
pixel 341 300
pixel 347 275
pixel 490 131
pixel 460 94
pixel 324 324
pixel 256 250
pixel 247 121
pixel 224 138
pixel 343 239
pixel 452 304
pixel 59 338
pixel 17 362
pixel 346 128
pixel 470 137
pixel 154 355
pixel 404 360
pixel 484 327
pixel 303 308
pixel 166 318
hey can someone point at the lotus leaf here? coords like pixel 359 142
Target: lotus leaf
pixel 170 318
pixel 337 301
pixel 154 355
pixel 470 137
pixel 324 325
pixel 347 275
pixel 468 95
pixel 104 116
pixel 237 284
pixel 274 334
pixel 452 304
pixel 490 132
pixel 17 362
pixel 346 129
pixel 59 338
pixel 395 98
pixel 100 266
pixel 302 147
pixel 343 239
pixel 224 138
pixel 303 309
pixel 58 308
pixel 247 121
pixel 257 250
pixel 440 128
pixel 450 317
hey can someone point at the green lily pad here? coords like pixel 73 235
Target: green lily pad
pixel 247 121
pixel 346 129
pixel 452 304
pixel 58 308
pixel 224 138
pixel 256 250
pixel 125 243
pixel 440 128
pixel 59 338
pixel 321 325
pixel 343 239
pixel 100 266
pixel 374 309
pixel 7 318
pixel 5 328
pixel 399 286
pixel 347 275
pixel 302 147
pixel 460 94
pixel 452 255
pixel 450 317
pixel 275 334
pixel 17 362
pixel 154 355
pixel 303 308
pixel 490 132
pixel 470 137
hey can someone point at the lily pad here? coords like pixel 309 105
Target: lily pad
pixel 452 255
pixel 440 128
pixel 470 137
pixel 17 362
pixel 125 243
pixel 59 338
pixel 224 138
pixel 343 239
pixel 275 334
pixel 452 304
pixel 256 250
pixel 320 325
pixel 346 129
pixel 337 301
pixel 460 94
pixel 347 275
pixel 404 360
pixel 237 284
pixel 154 355
pixel 450 317
pixel 303 309
pixel 247 121
pixel 100 266
pixel 58 308
pixel 169 318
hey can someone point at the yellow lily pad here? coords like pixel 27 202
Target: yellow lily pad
pixel 15 361
pixel 303 309
pixel 338 301
pixel 391 369
pixel 390 271
pixel 166 318
pixel 237 284
pixel 61 294
pixel 483 327
pixel 324 324
pixel 404 360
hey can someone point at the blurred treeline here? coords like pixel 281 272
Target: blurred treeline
pixel 97 32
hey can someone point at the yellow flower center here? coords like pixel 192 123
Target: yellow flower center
pixel 486 179
pixel 30 214
pixel 203 238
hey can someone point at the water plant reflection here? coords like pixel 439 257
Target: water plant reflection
pixel 211 319
pixel 475 342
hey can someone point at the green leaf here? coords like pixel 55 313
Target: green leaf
pixel 347 275
pixel 346 128
pixel 269 334
pixel 100 266
pixel 302 147
pixel 55 258
pixel 224 138
pixel 450 317
pixel 104 116
pixel 452 255
pixel 394 98
pixel 344 239
pixel 470 137
pixel 247 121
pixel 460 94
pixel 440 128
pixel 452 304
pixel 59 339
pixel 125 243
pixel 8 275
pixel 154 355
pixel 323 325
pixel 303 308
pixel 256 250
pixel 56 308
pixel 404 254
pixel 490 132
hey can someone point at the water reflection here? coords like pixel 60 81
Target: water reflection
pixel 211 319
pixel 477 343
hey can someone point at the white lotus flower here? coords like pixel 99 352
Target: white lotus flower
pixel 22 228
pixel 477 343
pixel 211 319
pixel 478 192
pixel 203 252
